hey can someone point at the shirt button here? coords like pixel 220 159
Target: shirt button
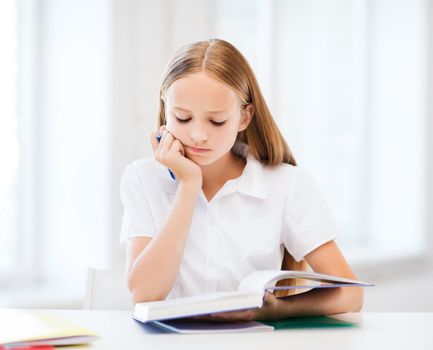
pixel 212 222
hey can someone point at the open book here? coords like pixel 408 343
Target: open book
pixel 250 294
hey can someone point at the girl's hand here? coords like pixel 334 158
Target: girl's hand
pixel 171 153
pixel 267 312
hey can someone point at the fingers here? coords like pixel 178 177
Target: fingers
pixel 166 142
pixel 178 147
pixel 246 315
pixel 231 316
pixel 213 319
pixel 156 138
pixel 166 147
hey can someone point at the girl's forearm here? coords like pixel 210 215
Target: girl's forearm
pixel 154 271
pixel 316 302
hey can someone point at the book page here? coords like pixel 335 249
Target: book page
pixel 262 280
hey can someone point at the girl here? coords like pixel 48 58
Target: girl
pixel 237 203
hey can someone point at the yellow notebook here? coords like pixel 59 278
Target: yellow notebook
pixel 28 328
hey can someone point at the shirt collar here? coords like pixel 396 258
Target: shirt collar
pixel 252 181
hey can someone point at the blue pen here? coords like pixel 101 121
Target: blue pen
pixel 158 137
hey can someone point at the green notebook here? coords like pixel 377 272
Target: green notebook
pixel 309 322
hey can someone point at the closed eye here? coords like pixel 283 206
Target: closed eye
pixel 180 120
pixel 218 123
pixel 185 120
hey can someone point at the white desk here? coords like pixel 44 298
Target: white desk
pixel 118 330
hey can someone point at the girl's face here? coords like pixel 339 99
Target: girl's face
pixel 205 115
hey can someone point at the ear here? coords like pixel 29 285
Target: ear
pixel 247 113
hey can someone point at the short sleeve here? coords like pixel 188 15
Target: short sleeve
pixel 308 222
pixel 137 216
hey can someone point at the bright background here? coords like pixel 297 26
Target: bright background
pixel 348 81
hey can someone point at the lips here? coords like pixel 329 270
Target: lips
pixel 197 150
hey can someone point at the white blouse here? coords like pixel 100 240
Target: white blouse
pixel 244 227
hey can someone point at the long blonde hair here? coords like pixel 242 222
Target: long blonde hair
pixel 224 62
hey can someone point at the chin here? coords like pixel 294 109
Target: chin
pixel 202 161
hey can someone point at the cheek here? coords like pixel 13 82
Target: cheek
pixel 229 134
pixel 170 123
pixel 178 130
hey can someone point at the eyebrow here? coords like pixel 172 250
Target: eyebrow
pixel 209 112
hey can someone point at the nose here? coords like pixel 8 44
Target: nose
pixel 198 134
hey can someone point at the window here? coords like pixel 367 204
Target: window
pixel 9 148
pixel 345 80
pixel 56 189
